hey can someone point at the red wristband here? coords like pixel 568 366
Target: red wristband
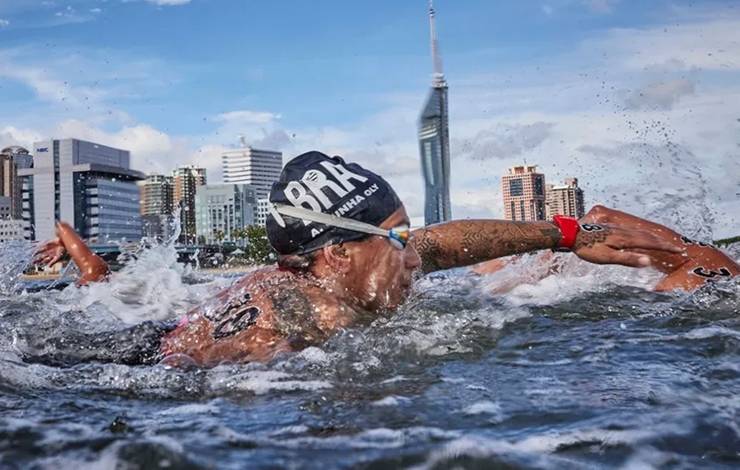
pixel 569 229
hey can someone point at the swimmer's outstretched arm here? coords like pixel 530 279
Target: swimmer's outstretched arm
pixel 695 264
pixel 92 267
pixel 465 242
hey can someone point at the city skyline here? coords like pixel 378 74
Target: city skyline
pixel 572 85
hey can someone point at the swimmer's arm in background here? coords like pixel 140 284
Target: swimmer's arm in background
pixel 465 242
pixel 92 267
pixel 695 264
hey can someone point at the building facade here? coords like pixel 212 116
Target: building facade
pixel 523 189
pixel 434 142
pixel 566 199
pixel 11 185
pixel 157 193
pixel 262 211
pixel 6 208
pixel 222 209
pixel 89 185
pixel 11 230
pixel 186 181
pixel 257 168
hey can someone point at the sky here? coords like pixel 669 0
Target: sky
pixel 639 100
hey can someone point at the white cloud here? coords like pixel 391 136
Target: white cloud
pixel 169 2
pixel 660 95
pixel 601 6
pixel 247 117
pixel 710 44
pixel 4 23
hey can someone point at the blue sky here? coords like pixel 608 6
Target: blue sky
pixel 567 84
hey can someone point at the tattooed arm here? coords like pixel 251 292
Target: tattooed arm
pixel 465 242
pixel 695 264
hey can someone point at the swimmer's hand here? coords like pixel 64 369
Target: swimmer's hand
pixel 613 244
pixel 49 253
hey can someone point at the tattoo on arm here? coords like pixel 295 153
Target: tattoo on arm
pixel 294 318
pixel 710 274
pixel 466 242
pixel 589 238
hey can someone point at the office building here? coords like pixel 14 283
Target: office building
pixel 11 230
pixel 262 211
pixel 566 199
pixel 186 181
pixel 220 209
pixel 257 168
pixel 89 185
pixel 434 141
pixel 524 193
pixel 6 208
pixel 157 193
pixel 11 185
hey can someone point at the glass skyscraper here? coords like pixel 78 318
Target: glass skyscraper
pixel 434 142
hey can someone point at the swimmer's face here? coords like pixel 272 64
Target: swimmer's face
pixel 381 275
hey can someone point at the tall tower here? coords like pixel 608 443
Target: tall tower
pixel 434 140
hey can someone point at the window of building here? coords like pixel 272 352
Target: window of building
pixel 539 187
pixel 516 187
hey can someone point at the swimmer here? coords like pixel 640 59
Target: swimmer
pixel 345 256
pixel 695 265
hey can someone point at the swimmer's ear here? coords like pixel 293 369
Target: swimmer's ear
pixel 337 257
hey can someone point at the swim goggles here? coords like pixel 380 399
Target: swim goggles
pixel 398 236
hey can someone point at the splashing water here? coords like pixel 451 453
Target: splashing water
pixel 580 369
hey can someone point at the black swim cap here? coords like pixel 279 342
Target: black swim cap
pixel 330 185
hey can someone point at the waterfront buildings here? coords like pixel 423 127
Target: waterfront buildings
pixel 222 210
pixel 11 229
pixel 434 141
pixel 157 194
pixel 255 167
pixel 6 207
pixel 523 189
pixel 89 185
pixel 11 185
pixel 186 181
pixel 566 199
pixel 262 211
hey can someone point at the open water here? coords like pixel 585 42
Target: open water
pixel 581 370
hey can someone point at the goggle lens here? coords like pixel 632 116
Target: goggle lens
pixel 399 236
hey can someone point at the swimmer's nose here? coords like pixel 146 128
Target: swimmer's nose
pixel 412 258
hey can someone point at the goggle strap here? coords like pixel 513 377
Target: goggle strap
pixel 330 219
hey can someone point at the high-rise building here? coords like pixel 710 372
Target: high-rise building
pixel 434 141
pixel 524 193
pixel 566 199
pixel 221 209
pixel 257 168
pixel 263 206
pixel 11 185
pixel 157 193
pixel 186 180
pixel 6 207
pixel 89 185
pixel 11 229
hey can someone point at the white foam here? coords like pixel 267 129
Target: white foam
pixel 483 407
pixel 392 400
pixel 192 408
pixel 260 382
